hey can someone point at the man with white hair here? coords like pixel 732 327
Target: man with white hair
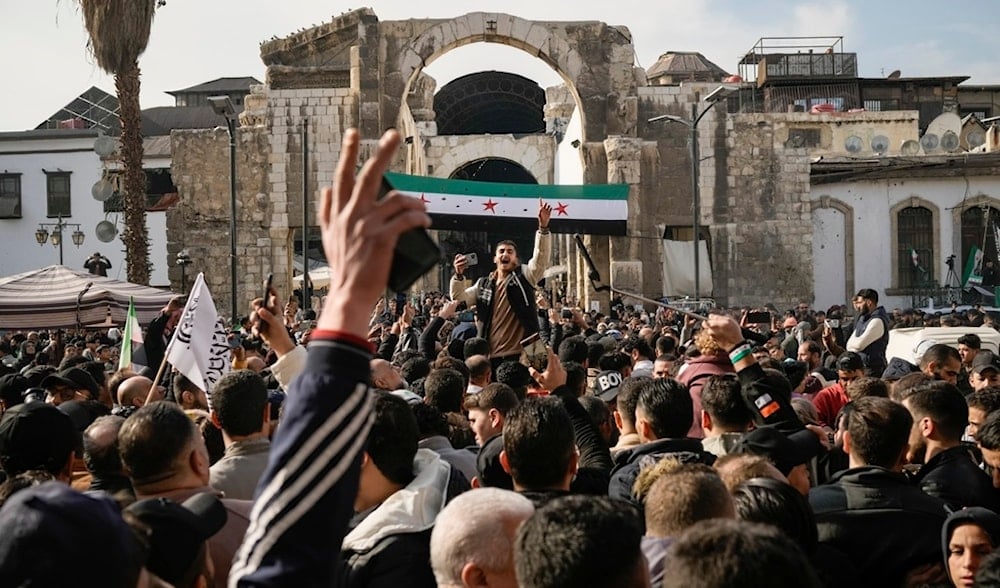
pixel 466 547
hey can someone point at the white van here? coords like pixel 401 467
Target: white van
pixel 903 343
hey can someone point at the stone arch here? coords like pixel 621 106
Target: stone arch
pixel 912 202
pixel 829 202
pixel 534 157
pixel 596 87
pixel 956 218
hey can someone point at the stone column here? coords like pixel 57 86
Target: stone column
pixel 624 167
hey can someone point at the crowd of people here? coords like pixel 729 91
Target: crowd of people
pixel 495 435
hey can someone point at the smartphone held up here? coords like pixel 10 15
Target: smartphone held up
pixel 415 253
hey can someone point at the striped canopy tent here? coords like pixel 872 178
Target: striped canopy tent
pixel 57 297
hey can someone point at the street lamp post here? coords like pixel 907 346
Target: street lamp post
pixel 42 235
pixel 223 106
pixel 711 99
pixel 183 260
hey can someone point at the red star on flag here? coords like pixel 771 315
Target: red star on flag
pixel 490 205
pixel 424 199
pixel 561 209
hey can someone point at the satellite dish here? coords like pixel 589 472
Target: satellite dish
pixel 102 190
pixel 975 138
pixel 949 141
pixel 106 231
pixel 105 146
pixel 909 147
pixel 853 144
pixel 929 142
pixel 880 144
pixel 942 124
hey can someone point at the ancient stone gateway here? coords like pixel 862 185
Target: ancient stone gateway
pixel 357 71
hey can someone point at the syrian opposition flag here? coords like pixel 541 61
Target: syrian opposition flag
pixel 133 354
pixel 199 347
pixel 972 273
pixel 595 209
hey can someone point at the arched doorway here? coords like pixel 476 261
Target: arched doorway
pixel 979 225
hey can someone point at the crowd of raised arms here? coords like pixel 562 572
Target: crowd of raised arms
pixel 499 435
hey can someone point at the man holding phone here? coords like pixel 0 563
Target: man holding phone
pixel 505 299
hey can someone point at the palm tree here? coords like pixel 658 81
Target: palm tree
pixel 119 31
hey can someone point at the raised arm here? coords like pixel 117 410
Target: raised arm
pixel 305 498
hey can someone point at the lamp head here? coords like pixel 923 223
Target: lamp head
pixel 222 105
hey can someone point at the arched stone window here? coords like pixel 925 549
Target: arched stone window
pixel 915 252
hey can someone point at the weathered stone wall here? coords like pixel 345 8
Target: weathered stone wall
pixel 762 237
pixel 200 223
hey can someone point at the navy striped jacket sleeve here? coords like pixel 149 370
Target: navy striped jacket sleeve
pixel 305 499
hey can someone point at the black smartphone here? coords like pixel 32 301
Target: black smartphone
pixel 466 316
pixel 415 254
pixel 759 317
pixel 400 303
pixel 527 341
pixel 267 289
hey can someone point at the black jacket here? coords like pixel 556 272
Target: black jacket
pixel 885 525
pixel 629 462
pixel 955 478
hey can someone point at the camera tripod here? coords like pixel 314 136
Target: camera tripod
pixel 952 284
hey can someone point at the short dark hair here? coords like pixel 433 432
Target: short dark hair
pixel 640 344
pixel 628 397
pixel 595 350
pixel 879 430
pixel 939 353
pixel 181 385
pixel 971 340
pixel 238 400
pixel 722 399
pixel 769 501
pixel 614 361
pixel 153 439
pixel 475 346
pixel 986 400
pixel 573 349
pixel 507 242
pixel 868 294
pixel 430 421
pixel 515 374
pixel 448 362
pixel 539 443
pixel 668 407
pixel 444 389
pixel 493 396
pixel 944 404
pixel 579 541
pixel 414 369
pixel 576 377
pixel 392 442
pixel 598 410
pixel 904 386
pixel 988 434
pixel 713 553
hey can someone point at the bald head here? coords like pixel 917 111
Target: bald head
pixel 384 376
pixel 133 391
pixel 255 364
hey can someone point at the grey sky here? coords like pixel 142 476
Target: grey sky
pixel 46 62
